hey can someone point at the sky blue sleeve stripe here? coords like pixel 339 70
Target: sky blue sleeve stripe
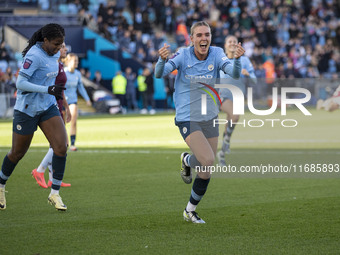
pixel 173 65
pixel 24 75
pixel 226 70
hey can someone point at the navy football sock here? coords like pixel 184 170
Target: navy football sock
pixel 193 162
pixel 230 129
pixel 58 166
pixel 73 139
pixel 198 190
pixel 6 170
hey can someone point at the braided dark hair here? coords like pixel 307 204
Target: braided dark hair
pixel 49 31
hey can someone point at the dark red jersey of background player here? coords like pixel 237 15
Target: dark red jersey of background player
pixel 61 80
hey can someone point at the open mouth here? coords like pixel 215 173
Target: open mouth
pixel 203 45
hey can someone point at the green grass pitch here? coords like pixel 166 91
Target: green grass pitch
pixel 127 196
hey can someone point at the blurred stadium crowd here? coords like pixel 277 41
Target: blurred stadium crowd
pixel 286 38
pixel 283 38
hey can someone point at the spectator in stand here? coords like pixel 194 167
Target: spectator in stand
pixel 159 39
pixel 98 78
pixel 182 32
pixel 125 40
pixel 276 26
pixel 130 89
pixel 138 20
pixel 142 87
pixel 83 17
pixel 92 24
pixel 139 42
pixel 119 88
pixel 141 54
pixel 88 74
pixel 146 28
pixel 4 52
pixel 11 78
pixel 150 90
pixel 168 25
pixel 103 28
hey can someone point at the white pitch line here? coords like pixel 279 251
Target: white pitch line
pixel 161 151
pixel 180 142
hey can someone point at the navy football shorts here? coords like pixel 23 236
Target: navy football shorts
pixel 24 124
pixel 206 127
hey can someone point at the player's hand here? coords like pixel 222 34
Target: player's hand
pixel 239 51
pixel 56 90
pixel 164 52
pixel 244 72
pixel 88 103
pixel 68 115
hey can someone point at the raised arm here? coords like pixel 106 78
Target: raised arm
pixel 162 67
pixel 235 69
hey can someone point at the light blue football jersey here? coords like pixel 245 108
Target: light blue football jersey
pixel 188 83
pixel 73 84
pixel 41 69
pixel 240 83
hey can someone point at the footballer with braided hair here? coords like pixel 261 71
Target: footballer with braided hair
pixel 36 106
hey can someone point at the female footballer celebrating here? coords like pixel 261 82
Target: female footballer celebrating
pixel 193 63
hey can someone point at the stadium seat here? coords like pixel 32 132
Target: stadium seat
pixel 63 8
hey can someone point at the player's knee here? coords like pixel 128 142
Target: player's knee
pixel 207 160
pixel 60 149
pixel 204 175
pixel 15 156
pixel 235 118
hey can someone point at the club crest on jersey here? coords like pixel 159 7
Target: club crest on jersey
pixel 176 54
pixel 211 67
pixel 27 63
